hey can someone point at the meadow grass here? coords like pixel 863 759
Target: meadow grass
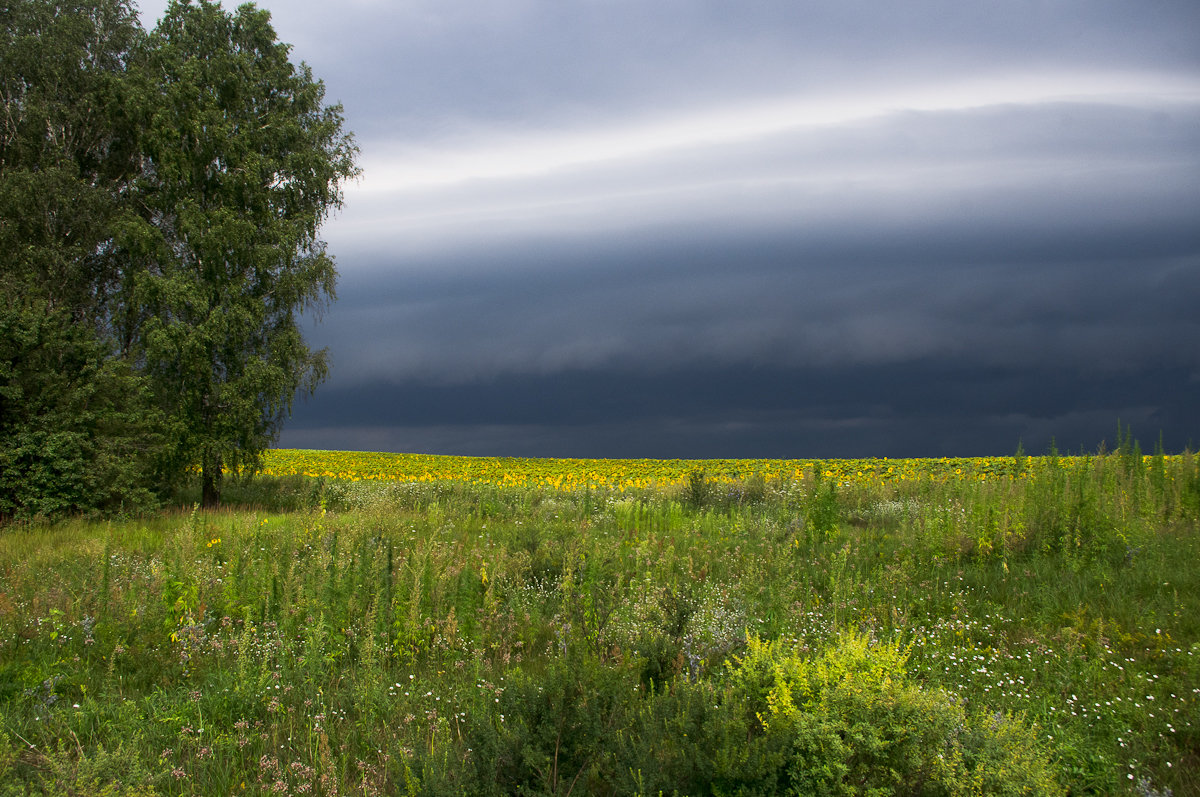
pixel 1027 625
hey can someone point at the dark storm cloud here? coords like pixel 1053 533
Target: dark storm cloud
pixel 946 390
pixel 765 229
pixel 920 409
pixel 740 306
pixel 1058 262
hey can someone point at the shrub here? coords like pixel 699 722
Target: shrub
pixel 66 768
pixel 846 722
pixel 823 511
pixel 698 490
pixel 547 733
pixel 77 434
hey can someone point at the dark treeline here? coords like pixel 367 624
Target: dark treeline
pixel 161 194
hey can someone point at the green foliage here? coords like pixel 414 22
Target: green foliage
pixel 702 491
pixel 853 722
pixel 163 193
pixel 458 639
pixel 698 490
pixel 66 150
pixel 77 429
pixel 823 510
pixel 76 433
pixel 849 721
pixel 556 728
pixel 68 769
pixel 244 163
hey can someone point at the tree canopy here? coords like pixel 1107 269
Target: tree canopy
pixel 161 196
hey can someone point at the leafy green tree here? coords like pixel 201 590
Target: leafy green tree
pixel 76 430
pixel 242 163
pixel 160 199
pixel 67 150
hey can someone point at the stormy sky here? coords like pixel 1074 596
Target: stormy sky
pixel 764 228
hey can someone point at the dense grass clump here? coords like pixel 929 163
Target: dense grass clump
pixel 904 629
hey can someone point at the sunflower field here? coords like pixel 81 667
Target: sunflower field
pixel 623 474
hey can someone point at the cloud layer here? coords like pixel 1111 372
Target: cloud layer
pixel 683 229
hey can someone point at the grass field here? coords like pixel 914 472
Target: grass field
pixel 379 624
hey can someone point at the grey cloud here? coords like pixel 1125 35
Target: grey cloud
pixel 905 278
pixel 920 408
pixel 1074 163
pixel 438 68
pixel 430 71
pixel 1039 235
pixel 738 304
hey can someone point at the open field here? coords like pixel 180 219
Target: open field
pixel 379 624
pixel 623 474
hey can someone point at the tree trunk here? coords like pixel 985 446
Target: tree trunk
pixel 210 482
